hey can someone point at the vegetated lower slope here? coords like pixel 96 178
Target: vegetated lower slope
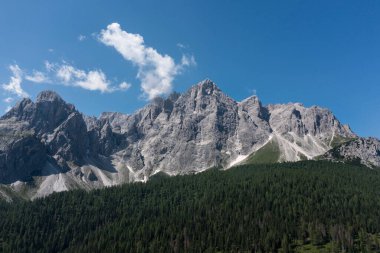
pixel 269 153
pixel 260 208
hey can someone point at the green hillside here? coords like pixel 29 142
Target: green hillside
pixel 307 206
pixel 269 153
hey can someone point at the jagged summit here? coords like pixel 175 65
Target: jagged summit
pixel 45 102
pixel 44 115
pixel 206 87
pixel 206 82
pixel 48 95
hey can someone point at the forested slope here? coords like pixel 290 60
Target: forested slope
pixel 259 208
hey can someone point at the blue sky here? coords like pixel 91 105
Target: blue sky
pixel 115 55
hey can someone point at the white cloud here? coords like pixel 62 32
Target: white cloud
pixel 180 45
pixel 14 85
pixel 67 73
pixel 61 73
pixel 155 71
pixel 95 80
pixel 187 61
pixel 81 37
pixel 124 86
pixel 71 76
pixel 49 66
pixel 37 77
pixel 8 100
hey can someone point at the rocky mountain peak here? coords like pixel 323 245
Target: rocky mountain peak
pixel 179 134
pixel 206 87
pixel 251 102
pixel 253 106
pixel 49 96
pixel 26 104
pixel 44 115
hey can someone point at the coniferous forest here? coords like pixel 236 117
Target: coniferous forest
pixel 309 206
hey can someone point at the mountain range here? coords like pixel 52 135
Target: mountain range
pixel 48 146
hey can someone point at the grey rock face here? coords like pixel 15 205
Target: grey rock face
pixel 21 153
pixel 363 150
pixel 200 129
pixel 315 121
pixel 304 132
pixel 180 134
pixel 253 127
pixel 296 118
pixel 33 133
pixel 48 112
pixel 203 128
pixel 69 141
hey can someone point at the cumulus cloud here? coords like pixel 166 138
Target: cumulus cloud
pixel 37 77
pixel 155 71
pixel 124 86
pixel 71 76
pixel 67 73
pixel 95 80
pixel 60 74
pixel 14 85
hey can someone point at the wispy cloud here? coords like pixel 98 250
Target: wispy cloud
pixel 61 73
pixel 14 85
pixel 37 77
pixel 8 100
pixel 187 61
pixel 81 37
pixel 182 46
pixel 49 66
pixel 155 71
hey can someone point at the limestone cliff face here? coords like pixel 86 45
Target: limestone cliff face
pixel 204 127
pixel 60 149
pixel 305 132
pixel 191 132
pixel 21 153
pixel 362 150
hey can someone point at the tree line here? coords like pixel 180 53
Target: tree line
pixel 251 208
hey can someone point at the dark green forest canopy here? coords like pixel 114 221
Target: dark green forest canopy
pixel 258 208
